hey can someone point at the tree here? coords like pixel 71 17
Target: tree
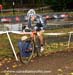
pixel 60 5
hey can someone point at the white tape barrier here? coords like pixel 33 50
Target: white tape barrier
pixel 15 32
pixel 70 32
pixel 20 32
pixel 54 33
pixel 2 32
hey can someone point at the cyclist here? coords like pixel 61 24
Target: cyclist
pixel 39 29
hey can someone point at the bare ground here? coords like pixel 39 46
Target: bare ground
pixel 59 63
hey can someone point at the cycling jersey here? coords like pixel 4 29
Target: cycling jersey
pixel 39 23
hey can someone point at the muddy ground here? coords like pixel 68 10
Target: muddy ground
pixel 59 63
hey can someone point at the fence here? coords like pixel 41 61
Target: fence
pixel 20 33
pixel 11 27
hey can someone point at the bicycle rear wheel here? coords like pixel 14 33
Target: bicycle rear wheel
pixel 25 57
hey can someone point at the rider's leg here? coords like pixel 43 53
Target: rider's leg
pixel 40 34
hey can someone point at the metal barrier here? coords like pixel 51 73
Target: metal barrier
pixel 11 27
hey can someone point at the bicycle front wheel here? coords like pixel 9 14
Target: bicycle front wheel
pixel 37 45
pixel 26 56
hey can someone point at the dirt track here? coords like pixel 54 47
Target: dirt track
pixel 60 63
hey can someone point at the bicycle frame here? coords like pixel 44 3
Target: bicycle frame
pixel 35 42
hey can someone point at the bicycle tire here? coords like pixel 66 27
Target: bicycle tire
pixel 37 46
pixel 26 60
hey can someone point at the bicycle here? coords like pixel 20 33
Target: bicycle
pixel 27 55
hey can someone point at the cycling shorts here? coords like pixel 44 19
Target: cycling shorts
pixel 38 28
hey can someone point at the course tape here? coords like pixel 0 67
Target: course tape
pixel 54 33
pixel 20 32
pixel 16 32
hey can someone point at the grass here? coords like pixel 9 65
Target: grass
pixel 5 47
pixel 60 30
pixel 51 46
